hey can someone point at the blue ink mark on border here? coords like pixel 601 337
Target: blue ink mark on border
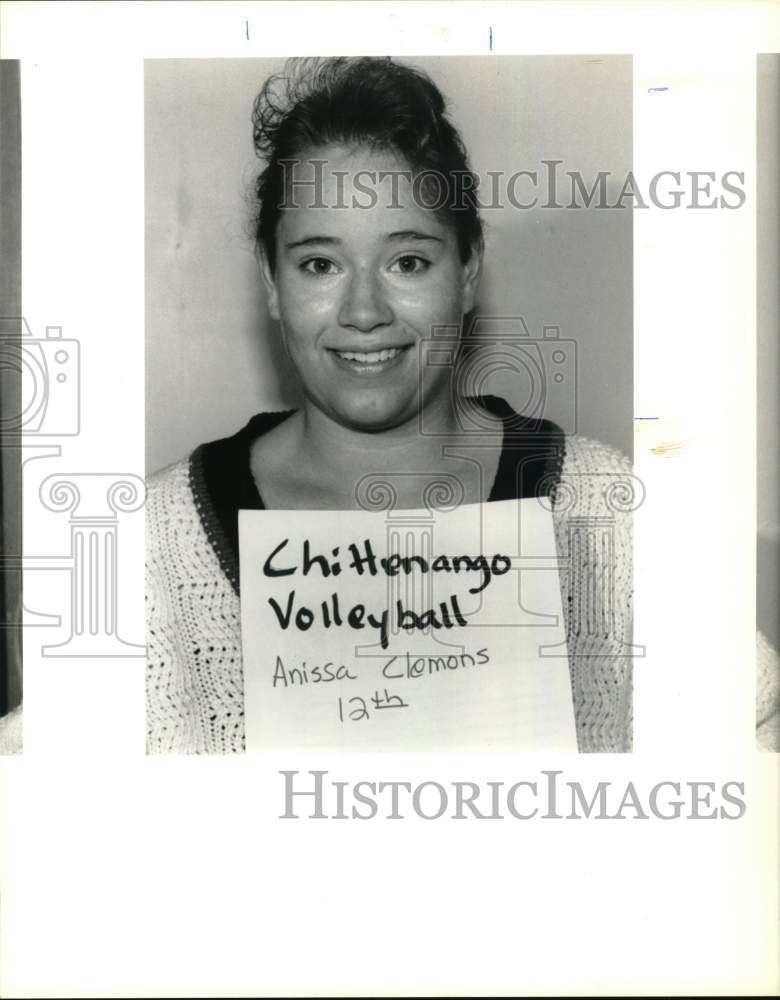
pixel 645 418
pixel 247 29
pixel 656 90
pixel 491 38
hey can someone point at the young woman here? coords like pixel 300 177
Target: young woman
pixel 370 241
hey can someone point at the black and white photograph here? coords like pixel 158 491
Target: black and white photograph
pixel 401 287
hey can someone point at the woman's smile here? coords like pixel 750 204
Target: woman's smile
pixel 370 363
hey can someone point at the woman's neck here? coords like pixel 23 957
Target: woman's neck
pixel 414 445
pixel 313 462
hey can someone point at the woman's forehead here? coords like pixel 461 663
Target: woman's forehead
pixel 357 192
pixel 339 164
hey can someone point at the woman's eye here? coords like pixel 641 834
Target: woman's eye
pixel 319 266
pixel 410 264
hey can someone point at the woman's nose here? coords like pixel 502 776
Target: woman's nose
pixel 365 305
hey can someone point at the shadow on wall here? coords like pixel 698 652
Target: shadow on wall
pixel 768 587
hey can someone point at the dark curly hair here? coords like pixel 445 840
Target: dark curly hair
pixel 360 101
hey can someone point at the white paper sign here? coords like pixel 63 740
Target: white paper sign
pixel 405 630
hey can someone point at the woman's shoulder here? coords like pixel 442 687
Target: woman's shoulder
pixel 584 455
pixel 11 732
pixel 168 479
pixel 596 480
pixel 219 451
pixel 169 502
pixel 767 695
pixel 580 452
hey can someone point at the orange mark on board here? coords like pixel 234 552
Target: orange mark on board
pixel 669 448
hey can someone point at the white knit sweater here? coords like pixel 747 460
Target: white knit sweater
pixel 195 688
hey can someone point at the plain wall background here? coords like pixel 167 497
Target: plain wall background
pixel 768 348
pixel 212 353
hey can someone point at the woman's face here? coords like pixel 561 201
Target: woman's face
pixel 357 289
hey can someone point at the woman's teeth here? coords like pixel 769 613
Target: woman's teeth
pixel 371 357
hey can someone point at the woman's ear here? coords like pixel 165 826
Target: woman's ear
pixel 472 271
pixel 270 285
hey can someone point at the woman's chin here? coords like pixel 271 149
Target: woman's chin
pixel 373 416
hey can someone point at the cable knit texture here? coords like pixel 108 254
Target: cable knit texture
pixel 195 682
pixel 11 732
pixel 767 696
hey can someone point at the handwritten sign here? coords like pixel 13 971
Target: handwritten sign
pixel 404 630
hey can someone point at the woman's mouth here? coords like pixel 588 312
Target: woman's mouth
pixel 370 362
